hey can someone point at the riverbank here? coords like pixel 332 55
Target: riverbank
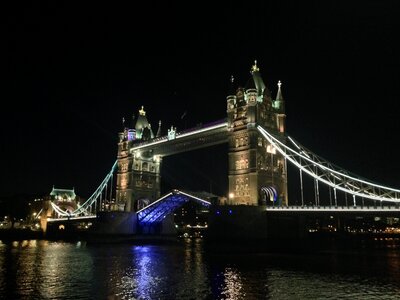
pixel 20 234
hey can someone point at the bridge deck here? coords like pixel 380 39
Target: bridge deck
pixel 333 209
pixel 71 218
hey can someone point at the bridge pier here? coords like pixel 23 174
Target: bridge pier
pixel 287 226
pixel 243 223
pixel 126 225
pixel 164 228
pixel 237 223
pixel 115 223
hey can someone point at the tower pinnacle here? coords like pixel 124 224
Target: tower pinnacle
pixel 142 112
pixel 254 68
pixel 279 93
pixel 159 129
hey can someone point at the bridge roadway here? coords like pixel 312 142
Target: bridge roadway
pixel 336 210
pixel 299 210
pixel 89 217
pixel 207 135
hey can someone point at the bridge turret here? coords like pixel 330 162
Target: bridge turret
pixel 65 199
pixel 123 190
pixel 231 102
pixel 253 163
pixel 256 83
pixel 141 124
pixel 280 108
pixel 158 134
pixel 138 176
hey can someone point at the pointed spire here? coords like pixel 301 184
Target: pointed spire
pixel 133 121
pixel 123 122
pixel 159 129
pixel 255 81
pixel 254 68
pixel 279 93
pixel 231 89
pixel 142 112
pixel 151 131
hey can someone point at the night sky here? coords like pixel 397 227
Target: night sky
pixel 73 70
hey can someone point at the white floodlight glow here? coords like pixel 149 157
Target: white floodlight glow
pixel 153 203
pixel 194 197
pixel 279 145
pixel 179 136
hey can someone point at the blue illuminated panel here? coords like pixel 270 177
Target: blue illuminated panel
pixel 156 213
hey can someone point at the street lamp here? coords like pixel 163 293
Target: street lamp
pixel 231 196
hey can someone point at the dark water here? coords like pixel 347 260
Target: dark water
pixel 60 270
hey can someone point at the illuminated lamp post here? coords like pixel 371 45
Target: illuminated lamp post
pixel 231 196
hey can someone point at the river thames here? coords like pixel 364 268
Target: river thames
pixel 40 269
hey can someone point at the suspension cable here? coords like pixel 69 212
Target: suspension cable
pixel 341 180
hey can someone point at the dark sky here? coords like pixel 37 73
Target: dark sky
pixel 73 70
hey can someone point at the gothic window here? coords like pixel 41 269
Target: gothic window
pixel 124 167
pixel 150 184
pixel 242 163
pixel 280 166
pixel 241 141
pixel 271 149
pixel 145 166
pixel 237 143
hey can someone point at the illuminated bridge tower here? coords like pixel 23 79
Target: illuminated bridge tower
pixel 257 173
pixel 138 176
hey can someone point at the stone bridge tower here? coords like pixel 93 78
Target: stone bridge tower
pixel 257 172
pixel 138 175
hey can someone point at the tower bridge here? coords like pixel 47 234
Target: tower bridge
pixel 259 150
pixel 253 162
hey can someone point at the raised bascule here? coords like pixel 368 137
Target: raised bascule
pixel 258 149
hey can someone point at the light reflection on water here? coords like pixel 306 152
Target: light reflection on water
pixel 57 270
